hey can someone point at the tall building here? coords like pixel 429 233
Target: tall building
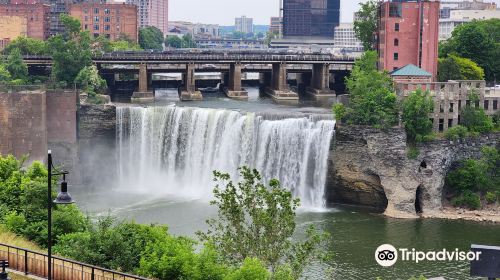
pixel 310 18
pixel 408 34
pixel 276 25
pixel 449 5
pixel 458 17
pixel 345 38
pixel 244 24
pixel 29 19
pixel 152 13
pixel 109 20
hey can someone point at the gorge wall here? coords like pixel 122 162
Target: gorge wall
pixel 370 167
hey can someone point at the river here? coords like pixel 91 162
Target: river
pixel 167 152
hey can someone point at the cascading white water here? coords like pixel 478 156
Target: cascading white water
pixel 173 150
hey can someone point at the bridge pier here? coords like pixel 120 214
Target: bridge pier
pixel 234 88
pixel 188 90
pixel 143 95
pixel 279 89
pixel 320 82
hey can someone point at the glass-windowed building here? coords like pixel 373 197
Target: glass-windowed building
pixel 310 18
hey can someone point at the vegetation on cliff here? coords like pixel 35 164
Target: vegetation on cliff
pixel 250 239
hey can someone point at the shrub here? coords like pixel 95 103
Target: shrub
pixel 468 199
pixel 412 152
pixel 252 269
pixel 475 119
pixel 456 132
pixel 491 197
pixel 339 111
pixel 416 109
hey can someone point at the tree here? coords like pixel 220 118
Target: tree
pixel 366 26
pixel 72 26
pixel 458 68
pixel 188 41
pixel 151 38
pixel 27 46
pixel 16 66
pixel 174 42
pixel 416 109
pixel 4 74
pixel 474 118
pixel 258 221
pixel 478 41
pixel 89 80
pixel 372 98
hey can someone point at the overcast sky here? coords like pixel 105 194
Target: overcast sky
pixel 223 12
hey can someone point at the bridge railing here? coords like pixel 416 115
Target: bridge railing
pixel 35 263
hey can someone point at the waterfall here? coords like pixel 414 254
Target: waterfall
pixel 173 150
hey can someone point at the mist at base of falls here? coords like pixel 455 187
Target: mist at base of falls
pixel 172 151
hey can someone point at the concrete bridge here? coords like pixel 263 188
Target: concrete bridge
pixel 316 70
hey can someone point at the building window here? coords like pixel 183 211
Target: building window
pixel 396 42
pixel 96 26
pixel 108 36
pixel 396 56
pixel 441 108
pixel 96 10
pixel 450 123
pixel 495 104
pixel 96 19
pixel 86 18
pixel 96 35
pixel 441 125
pixel 106 11
pixel 451 107
pixel 86 27
pixel 486 105
pixel 395 10
pixel 85 11
pixel 107 28
pixel 396 26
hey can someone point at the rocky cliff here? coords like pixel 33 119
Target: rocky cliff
pixel 370 167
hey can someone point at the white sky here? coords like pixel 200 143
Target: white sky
pixel 223 12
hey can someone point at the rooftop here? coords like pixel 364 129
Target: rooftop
pixel 411 70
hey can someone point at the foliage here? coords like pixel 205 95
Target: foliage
pixel 475 118
pixel 412 152
pixel 491 197
pixel 366 26
pixel 89 80
pixel 416 109
pixel 252 269
pixel 71 26
pixel 173 42
pixel 458 68
pixel 372 98
pixel 468 199
pixel 188 41
pixel 16 66
pixel 339 110
pixel 478 41
pixel 456 132
pixel 258 221
pixel 23 196
pixel 27 45
pixel 4 74
pixel 151 38
pixel 477 175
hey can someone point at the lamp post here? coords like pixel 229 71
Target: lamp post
pixel 63 197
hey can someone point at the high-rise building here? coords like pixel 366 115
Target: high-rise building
pixel 243 24
pixel 408 34
pixel 276 25
pixel 345 38
pixel 113 21
pixel 310 18
pixel 152 13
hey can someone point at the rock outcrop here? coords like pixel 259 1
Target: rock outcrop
pixel 370 167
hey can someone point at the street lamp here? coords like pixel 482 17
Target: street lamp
pixel 63 197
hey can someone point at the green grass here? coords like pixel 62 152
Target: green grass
pixel 9 238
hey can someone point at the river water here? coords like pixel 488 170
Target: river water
pixel 166 154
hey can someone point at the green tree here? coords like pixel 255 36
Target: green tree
pixel 474 118
pixel 4 74
pixel 27 46
pixel 151 38
pixel 416 110
pixel 478 41
pixel 72 26
pixel 366 26
pixel 188 41
pixel 459 68
pixel 89 80
pixel 16 66
pixel 258 221
pixel 174 42
pixel 372 98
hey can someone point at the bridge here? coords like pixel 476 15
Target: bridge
pixel 317 68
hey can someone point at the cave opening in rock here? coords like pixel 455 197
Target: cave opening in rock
pixel 418 200
pixel 423 164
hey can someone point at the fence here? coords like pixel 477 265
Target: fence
pixel 35 263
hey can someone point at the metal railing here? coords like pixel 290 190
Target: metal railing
pixel 35 263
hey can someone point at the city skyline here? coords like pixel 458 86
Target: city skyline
pixel 260 10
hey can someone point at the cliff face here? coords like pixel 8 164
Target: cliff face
pixel 370 167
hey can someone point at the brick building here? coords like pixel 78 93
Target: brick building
pixel 109 20
pixel 408 34
pixel 29 19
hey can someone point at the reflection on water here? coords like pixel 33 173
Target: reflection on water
pixel 355 234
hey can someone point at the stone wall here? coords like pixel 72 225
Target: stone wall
pixel 370 167
pixel 23 124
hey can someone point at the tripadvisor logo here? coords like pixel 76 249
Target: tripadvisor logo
pixel 387 255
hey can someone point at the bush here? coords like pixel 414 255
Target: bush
pixel 252 269
pixel 339 111
pixel 412 152
pixel 456 132
pixel 416 109
pixel 491 197
pixel 475 119
pixel 468 199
